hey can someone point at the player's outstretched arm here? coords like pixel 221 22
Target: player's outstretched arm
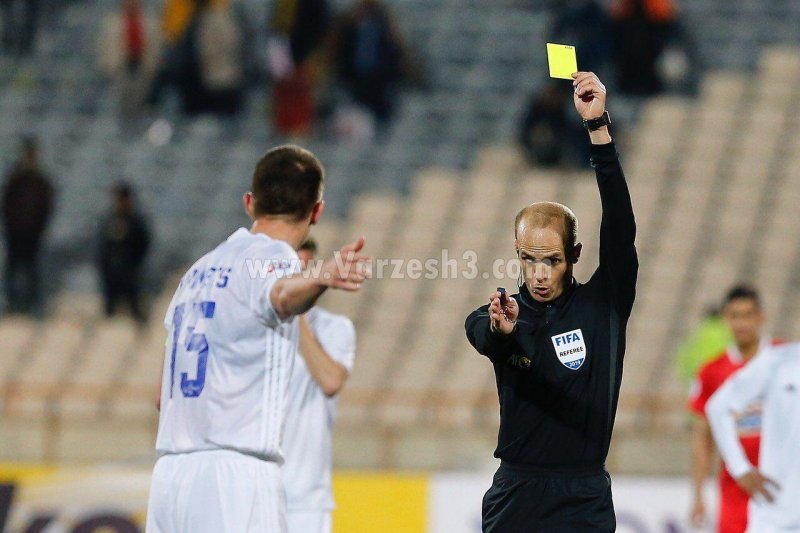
pixel 347 270
pixel 618 260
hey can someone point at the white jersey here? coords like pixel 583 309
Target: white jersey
pixel 775 377
pixel 228 355
pixel 311 416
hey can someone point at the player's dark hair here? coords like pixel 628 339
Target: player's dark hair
pixel 309 244
pixel 742 292
pixel 288 181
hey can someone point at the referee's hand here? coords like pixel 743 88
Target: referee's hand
pixel 503 317
pixel 590 95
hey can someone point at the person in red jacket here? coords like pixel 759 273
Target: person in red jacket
pixel 134 34
pixel 743 313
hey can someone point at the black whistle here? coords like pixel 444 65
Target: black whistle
pixel 503 297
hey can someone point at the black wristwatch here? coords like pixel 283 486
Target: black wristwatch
pixel 597 123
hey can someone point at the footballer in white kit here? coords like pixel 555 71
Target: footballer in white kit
pixel 232 335
pixel 774 486
pixel 322 365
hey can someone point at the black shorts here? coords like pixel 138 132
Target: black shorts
pixel 526 500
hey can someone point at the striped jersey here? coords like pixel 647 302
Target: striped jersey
pixel 228 356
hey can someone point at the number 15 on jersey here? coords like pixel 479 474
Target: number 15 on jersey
pixel 188 346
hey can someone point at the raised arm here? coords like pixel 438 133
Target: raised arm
pixel 619 264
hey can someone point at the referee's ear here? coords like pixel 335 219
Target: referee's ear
pixel 576 253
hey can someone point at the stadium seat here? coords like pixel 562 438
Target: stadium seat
pixel 18 334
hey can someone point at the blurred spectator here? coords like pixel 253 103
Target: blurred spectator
pixel 641 31
pixel 133 33
pixel 710 339
pixel 220 50
pixel 28 199
pixel 546 134
pixel 204 59
pixel 128 50
pixel 586 25
pixel 20 21
pixel 124 242
pixel 369 53
pixel 298 29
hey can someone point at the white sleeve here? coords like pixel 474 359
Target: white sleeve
pixel 338 339
pixel 740 391
pixel 264 265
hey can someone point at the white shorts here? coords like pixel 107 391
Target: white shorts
pixel 216 491
pixel 309 521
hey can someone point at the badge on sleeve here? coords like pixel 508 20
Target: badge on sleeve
pixel 570 348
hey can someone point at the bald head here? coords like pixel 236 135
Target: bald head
pixel 549 215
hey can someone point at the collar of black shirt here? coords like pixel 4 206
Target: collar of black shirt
pixel 541 307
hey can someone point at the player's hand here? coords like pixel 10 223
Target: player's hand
pixel 755 483
pixel 590 95
pixel 348 268
pixel 697 516
pixel 503 318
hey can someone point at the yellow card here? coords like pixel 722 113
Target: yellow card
pixel 562 60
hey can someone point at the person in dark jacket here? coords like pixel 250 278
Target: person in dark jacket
pixel 557 349
pixel 124 242
pixel 369 55
pixel 546 135
pixel 19 20
pixel 27 208
pixel 641 30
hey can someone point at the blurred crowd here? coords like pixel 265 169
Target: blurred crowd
pixel 639 47
pixel 322 69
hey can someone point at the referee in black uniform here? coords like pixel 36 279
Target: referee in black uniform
pixel 557 349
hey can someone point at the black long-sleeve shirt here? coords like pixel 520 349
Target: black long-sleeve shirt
pixel 559 373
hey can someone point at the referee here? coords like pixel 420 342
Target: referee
pixel 557 348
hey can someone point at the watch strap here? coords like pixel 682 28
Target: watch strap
pixel 597 123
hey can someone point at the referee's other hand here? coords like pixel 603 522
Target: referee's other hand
pixel 503 317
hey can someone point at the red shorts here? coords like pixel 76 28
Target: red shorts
pixel 732 508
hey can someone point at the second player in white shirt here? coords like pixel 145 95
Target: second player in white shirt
pixel 321 367
pixel 775 485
